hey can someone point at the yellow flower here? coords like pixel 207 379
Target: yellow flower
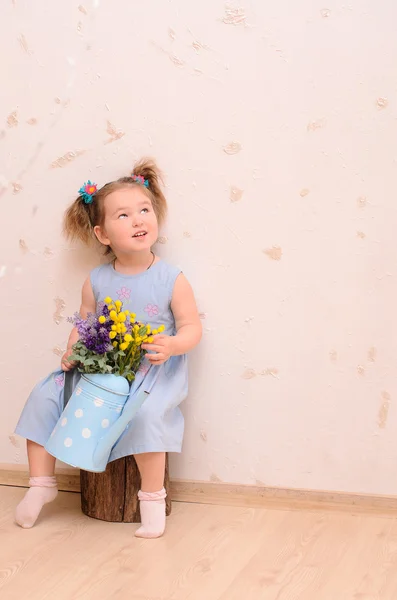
pixel 118 304
pixel 113 315
pixel 127 312
pixel 150 340
pixel 122 317
pixel 128 338
pixel 108 300
pixel 102 319
pixel 118 327
pixel 111 307
pixel 155 332
pixel 123 346
pixel 161 328
pixel 114 327
pixel 148 328
pixel 112 335
pixel 136 327
pixel 132 316
pixel 114 344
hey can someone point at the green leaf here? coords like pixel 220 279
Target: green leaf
pixel 75 358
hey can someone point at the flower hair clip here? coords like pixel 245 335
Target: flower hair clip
pixel 140 179
pixel 87 191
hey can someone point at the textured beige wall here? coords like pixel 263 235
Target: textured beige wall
pixel 275 123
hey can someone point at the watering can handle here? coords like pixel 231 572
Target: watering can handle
pixel 68 387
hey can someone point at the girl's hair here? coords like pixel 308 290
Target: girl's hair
pixel 81 218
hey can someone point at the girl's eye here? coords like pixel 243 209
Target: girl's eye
pixel 145 210
pixel 122 216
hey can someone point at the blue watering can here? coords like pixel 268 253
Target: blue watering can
pixel 97 413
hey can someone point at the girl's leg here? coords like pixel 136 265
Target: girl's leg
pixel 43 486
pixel 41 464
pixel 151 466
pixel 152 495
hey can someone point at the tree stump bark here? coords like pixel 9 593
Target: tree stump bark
pixel 113 495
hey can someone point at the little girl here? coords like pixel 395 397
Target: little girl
pixel 124 215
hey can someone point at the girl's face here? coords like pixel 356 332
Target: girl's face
pixel 130 223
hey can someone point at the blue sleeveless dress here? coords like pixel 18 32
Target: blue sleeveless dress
pixel 158 426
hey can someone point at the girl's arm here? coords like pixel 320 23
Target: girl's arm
pixel 88 304
pixel 188 326
pixel 187 320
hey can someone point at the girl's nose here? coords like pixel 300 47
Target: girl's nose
pixel 137 221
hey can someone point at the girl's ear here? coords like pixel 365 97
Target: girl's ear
pixel 101 235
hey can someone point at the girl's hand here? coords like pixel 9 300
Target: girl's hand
pixel 65 364
pixel 162 347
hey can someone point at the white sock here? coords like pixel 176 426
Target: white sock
pixel 152 506
pixel 42 491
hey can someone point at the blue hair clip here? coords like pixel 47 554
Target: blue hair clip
pixel 140 179
pixel 87 191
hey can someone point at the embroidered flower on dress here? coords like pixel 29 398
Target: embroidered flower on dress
pixel 124 293
pixel 152 310
pixel 60 380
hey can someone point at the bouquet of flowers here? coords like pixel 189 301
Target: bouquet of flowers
pixel 110 341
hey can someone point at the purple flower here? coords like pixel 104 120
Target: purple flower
pixel 94 335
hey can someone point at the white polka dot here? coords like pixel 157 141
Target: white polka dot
pixel 68 442
pixel 63 422
pixel 78 391
pixel 79 413
pixel 98 402
pixel 86 433
pixel 105 423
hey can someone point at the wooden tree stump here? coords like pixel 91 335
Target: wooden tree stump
pixel 113 495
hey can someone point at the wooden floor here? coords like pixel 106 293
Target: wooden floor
pixel 208 553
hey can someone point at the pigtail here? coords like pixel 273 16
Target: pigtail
pixel 77 224
pixel 148 169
